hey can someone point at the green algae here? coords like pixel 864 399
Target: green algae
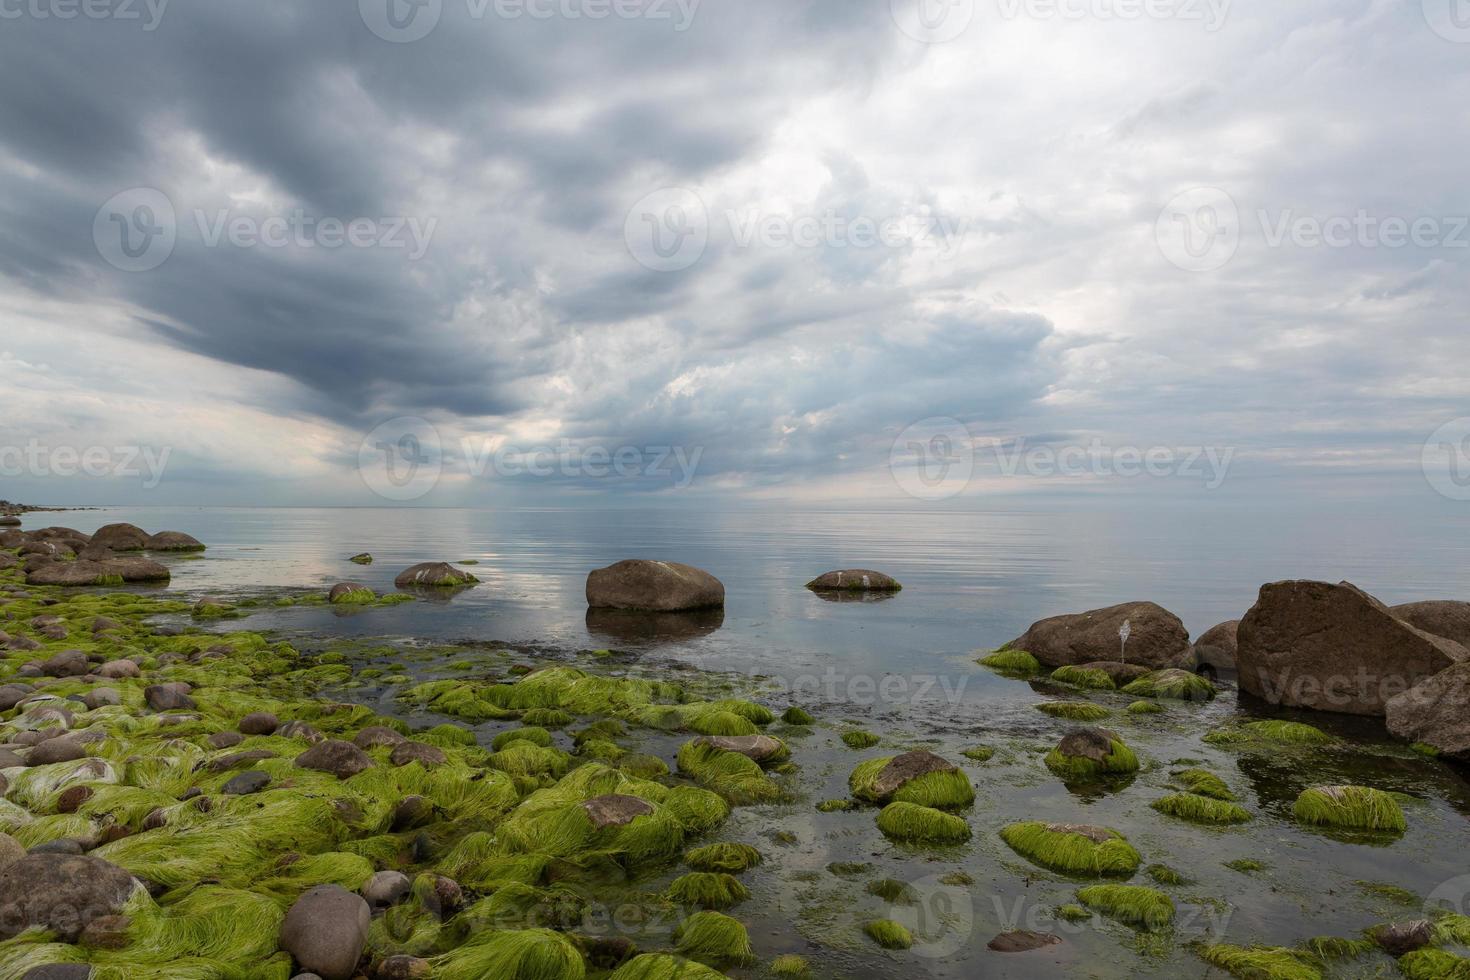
pixel 1350 807
pixel 1260 962
pixel 714 937
pixel 859 740
pixel 664 966
pixel 1201 809
pixel 723 856
pixel 1073 710
pixel 546 718
pixel 531 733
pixel 795 715
pixel 888 934
pixel 1247 866
pixel 893 891
pixel 1180 685
pixel 913 823
pixel 1145 708
pixel 737 778
pixel 1287 732
pixel 1011 662
pixel 979 753
pixel 1434 964
pixel 1072 850
pixel 1165 875
pixel 835 806
pixel 940 789
pixel 1091 678
pixel 1120 760
pixel 1337 948
pixel 791 965
pixel 1136 905
pixel 708 889
pixel 529 954
pixel 698 810
pixel 1202 782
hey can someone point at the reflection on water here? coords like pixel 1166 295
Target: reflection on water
pixel 633 628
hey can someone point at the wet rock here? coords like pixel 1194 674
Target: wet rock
pixel 118 669
pixel 94 572
pixel 756 747
pixel 72 798
pixel 225 740
pixel 1400 938
pixel 411 812
pixel 386 888
pixel 903 769
pixel 173 541
pixel 402 968
pixel 162 697
pixel 120 537
pixel 1215 650
pixel 1445 618
pixel 61 893
pixel 9 760
pixel 1435 712
pixel 62 845
pixel 350 592
pixel 1022 941
pixel 246 783
pixel 1088 743
pixel 426 755
pixel 433 574
pixel 68 663
pixel 443 897
pixel 655 586
pixel 854 580
pixel 326 930
pixel 615 810
pixel 341 759
pixel 55 750
pixel 1156 637
pixel 210 606
pixel 1334 648
pixel 1119 672
pixel 259 723
pixel 377 735
pixel 361 559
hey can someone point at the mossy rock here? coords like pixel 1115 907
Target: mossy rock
pixel 1075 849
pixel 1073 710
pixel 714 937
pixel 1090 678
pixel 796 715
pixel 979 753
pixel 724 856
pixel 792 966
pixel 1137 905
pixel 1201 809
pixel 1145 708
pixel 1180 685
pixel 915 777
pixel 859 740
pixel 1283 732
pixel 888 934
pixel 1008 661
pixel 662 966
pixel 1260 962
pixel 1350 808
pixel 911 823
pixel 1203 783
pixel 1086 753
pixel 708 889
pixel 1434 964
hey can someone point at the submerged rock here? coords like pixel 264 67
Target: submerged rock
pixel 854 580
pixel 1334 648
pixel 1435 712
pixel 326 931
pixel 433 574
pixel 61 893
pixel 1156 637
pixel 1401 938
pixel 350 593
pixel 655 586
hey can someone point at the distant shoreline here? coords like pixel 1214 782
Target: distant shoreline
pixel 9 509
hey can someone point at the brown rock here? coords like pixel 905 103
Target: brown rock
pixel 1022 941
pixel 162 697
pixel 1400 938
pixel 403 967
pixel 426 755
pixel 656 586
pixel 1156 637
pixel 386 888
pixel 72 798
pixel 903 769
pixel 341 759
pixel 374 736
pixel 108 932
pixel 61 893
pixel 614 810
pixel 411 812
pixel 343 590
pixel 118 669
pixel 236 759
pixel 68 663
pixel 55 750
pixel 173 541
pixel 259 723
pixel 433 574
pixel 1088 743
pixel 120 537
pixel 854 580
pixel 326 930
pixel 756 747
pixel 1119 672
pixel 225 740
pixel 1334 648
pixel 1444 617
pixel 1215 650
pixel 301 730
pixel 1435 712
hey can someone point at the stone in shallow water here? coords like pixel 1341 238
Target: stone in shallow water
pixel 854 580
pixel 656 586
pixel 756 747
pixel 904 769
pixel 1022 941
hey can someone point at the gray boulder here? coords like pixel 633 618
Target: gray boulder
pixel 61 893
pixel 1156 638
pixel 654 586
pixel 326 931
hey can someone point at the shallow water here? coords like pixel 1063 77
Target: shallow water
pixel 904 668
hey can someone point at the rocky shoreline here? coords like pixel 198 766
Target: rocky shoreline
pixel 184 800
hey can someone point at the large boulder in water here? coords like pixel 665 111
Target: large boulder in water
pixel 1441 617
pixel 326 931
pixel 1215 649
pixel 60 893
pixel 433 574
pixel 1334 648
pixel 1435 712
pixel 121 537
pixel 656 586
pixel 1156 637
pixel 110 571
pixel 854 580
pixel 173 541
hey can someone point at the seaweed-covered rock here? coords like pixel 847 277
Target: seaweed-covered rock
pixel 376 736
pixel 1215 649
pixel 1440 617
pixel 350 593
pixel 1334 648
pixel 173 541
pixel 761 748
pixel 1118 672
pixel 918 777
pixel 1350 808
pixel 1086 752
pixel 1077 849
pixel 120 537
pixel 615 810
pixel 435 575
pixel 854 580
pixel 1022 941
pixel 1156 637
pixel 342 759
pixel 326 930
pixel 1401 938
pixel 1435 712
pixel 655 586
pixel 361 559
pixel 61 893
pixel 426 755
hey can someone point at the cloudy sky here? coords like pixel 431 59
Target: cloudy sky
pixel 312 252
